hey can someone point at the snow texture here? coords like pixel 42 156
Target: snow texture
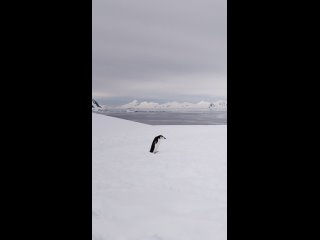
pixel 180 193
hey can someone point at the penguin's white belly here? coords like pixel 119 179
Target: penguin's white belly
pixel 156 146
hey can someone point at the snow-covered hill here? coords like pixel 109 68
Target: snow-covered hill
pixel 202 105
pixel 180 193
pixel 218 105
pixel 97 107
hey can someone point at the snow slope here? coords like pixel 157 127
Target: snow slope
pixel 180 193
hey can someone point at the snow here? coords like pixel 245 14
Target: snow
pixel 180 193
pixel 96 107
pixel 202 105
pixel 132 104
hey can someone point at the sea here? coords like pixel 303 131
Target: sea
pixel 173 118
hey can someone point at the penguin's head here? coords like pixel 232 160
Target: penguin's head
pixel 161 137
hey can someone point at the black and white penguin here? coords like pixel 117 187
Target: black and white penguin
pixel 156 143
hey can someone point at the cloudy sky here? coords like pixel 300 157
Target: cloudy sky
pixel 159 50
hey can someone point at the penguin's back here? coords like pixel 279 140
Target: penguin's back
pixel 153 145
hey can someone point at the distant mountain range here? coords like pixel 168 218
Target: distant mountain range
pixel 135 105
pixel 202 105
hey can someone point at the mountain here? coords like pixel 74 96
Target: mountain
pixel 218 105
pixel 132 104
pixel 96 106
pixel 202 105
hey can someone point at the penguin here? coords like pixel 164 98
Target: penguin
pixel 155 144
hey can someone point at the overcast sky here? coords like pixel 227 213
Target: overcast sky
pixel 160 50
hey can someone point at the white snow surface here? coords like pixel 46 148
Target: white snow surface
pixel 180 193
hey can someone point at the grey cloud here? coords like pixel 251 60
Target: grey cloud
pixel 158 48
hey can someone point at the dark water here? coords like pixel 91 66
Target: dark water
pixel 174 118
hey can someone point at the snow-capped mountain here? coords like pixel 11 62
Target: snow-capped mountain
pixel 202 105
pixel 97 107
pixel 136 105
pixel 132 104
pixel 218 105
pixel 95 104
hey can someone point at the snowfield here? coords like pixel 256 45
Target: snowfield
pixel 180 193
